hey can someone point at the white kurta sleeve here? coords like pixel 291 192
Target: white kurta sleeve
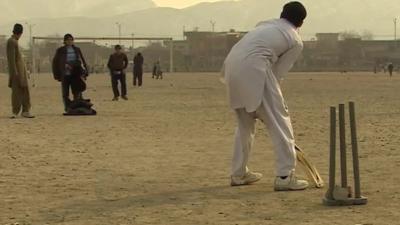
pixel 286 61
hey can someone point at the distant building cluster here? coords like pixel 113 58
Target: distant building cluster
pixel 206 51
pixel 328 52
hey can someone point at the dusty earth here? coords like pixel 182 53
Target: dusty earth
pixel 163 157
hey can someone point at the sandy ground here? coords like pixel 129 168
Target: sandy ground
pixel 163 157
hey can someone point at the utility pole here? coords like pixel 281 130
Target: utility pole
pixel 395 32
pixel 212 51
pixel 133 43
pixel 171 56
pixel 119 31
pixel 395 28
pixel 30 32
pixel 212 25
pixel 30 26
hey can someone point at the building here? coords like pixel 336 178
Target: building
pixel 206 51
pixel 329 53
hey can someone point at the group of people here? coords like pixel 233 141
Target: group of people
pixel 252 72
pixel 157 72
pixel 70 69
pixel 389 67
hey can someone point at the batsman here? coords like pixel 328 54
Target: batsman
pixel 252 72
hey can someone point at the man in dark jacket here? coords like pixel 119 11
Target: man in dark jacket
pixel 390 69
pixel 138 69
pixel 117 64
pixel 69 67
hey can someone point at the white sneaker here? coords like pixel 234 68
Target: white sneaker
pixel 291 183
pixel 249 178
pixel 27 115
pixel 13 116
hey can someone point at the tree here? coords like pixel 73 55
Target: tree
pixel 349 34
pixel 367 35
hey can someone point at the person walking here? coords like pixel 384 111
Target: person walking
pixel 157 72
pixel 117 63
pixel 390 69
pixel 138 69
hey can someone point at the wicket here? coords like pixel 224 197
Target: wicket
pixel 342 195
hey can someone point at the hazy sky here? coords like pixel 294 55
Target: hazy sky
pixel 372 15
pixel 180 3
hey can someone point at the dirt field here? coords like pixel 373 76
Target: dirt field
pixel 163 157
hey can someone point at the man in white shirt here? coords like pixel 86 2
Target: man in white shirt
pixel 253 70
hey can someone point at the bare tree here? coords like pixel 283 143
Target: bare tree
pixel 349 34
pixel 367 35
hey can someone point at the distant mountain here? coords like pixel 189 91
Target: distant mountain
pixel 324 16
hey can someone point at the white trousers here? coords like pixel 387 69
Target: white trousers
pixel 274 114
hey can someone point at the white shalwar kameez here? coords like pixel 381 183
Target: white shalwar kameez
pixel 252 72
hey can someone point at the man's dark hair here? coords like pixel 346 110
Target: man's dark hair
pixel 66 36
pixel 295 13
pixel 18 29
pixel 117 47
